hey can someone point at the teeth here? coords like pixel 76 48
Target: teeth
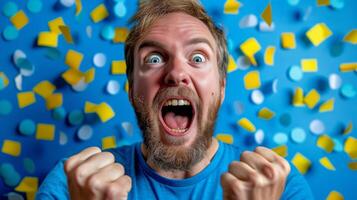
pixel 179 130
pixel 177 102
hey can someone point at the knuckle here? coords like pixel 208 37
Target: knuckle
pixel 94 184
pixel 79 174
pixel 127 180
pixel 68 164
pixel 245 155
pixel 232 165
pixel 118 167
pixel 108 155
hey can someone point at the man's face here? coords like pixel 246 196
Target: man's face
pixel 176 90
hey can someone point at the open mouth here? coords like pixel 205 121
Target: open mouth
pixel 177 116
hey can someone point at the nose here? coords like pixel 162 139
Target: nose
pixel 176 73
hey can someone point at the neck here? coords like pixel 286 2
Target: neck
pixel 197 168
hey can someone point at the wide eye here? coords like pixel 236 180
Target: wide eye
pixel 198 58
pixel 153 59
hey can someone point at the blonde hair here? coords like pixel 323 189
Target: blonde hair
pixel 150 10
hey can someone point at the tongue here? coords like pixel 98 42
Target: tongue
pixel 175 121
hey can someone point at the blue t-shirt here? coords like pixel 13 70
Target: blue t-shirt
pixel 147 184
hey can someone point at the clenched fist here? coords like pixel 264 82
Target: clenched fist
pixel 259 175
pixel 93 174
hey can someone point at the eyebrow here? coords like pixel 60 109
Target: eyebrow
pixel 153 43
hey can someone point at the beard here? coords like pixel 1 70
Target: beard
pixel 172 156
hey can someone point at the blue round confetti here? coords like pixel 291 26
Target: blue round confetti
pixel 10 33
pixel 348 91
pixel 10 176
pixel 295 73
pixel 337 4
pixel 338 145
pixel 293 2
pixel 29 165
pixel 280 138
pixel 59 113
pixel 75 117
pixel 9 9
pixel 5 107
pixel 27 127
pixel 298 135
pixel 108 32
pixel 285 119
pixel 14 196
pixel 120 9
pixel 34 6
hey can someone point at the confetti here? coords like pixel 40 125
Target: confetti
pixel 232 66
pixel 65 30
pixel 280 138
pixel 10 176
pixel 18 82
pixel 63 139
pixel 338 145
pixel 318 33
pixel 29 165
pixel 75 117
pixel 293 2
pixel 99 13
pixel 285 119
pixel 337 4
pixel 34 6
pixel 120 35
pixel 232 7
pixel 246 124
pixel 250 47
pixel 281 150
pixel 108 32
pixel 295 73
pixel 325 143
pixel 298 135
pixel 259 136
pixel 53 101
pixel 108 142
pixel 19 20
pixel 352 165
pixel 269 55
pixel 72 76
pixel 267 14
pixel 4 81
pixel 325 162
pixel 317 127
pixel 10 33
pixel 89 75
pixel 5 107
pixel 309 65
pixel 85 132
pixel 312 98
pixel 80 86
pixel 9 9
pixel 226 138
pixel 257 97
pixel 348 91
pixel 11 147
pixel 264 27
pixel 44 89
pixel 67 3
pixel 350 147
pixel 266 113
pixel 78 7
pixel 327 106
pixel 118 67
pixel 252 80
pixel 348 67
pixel 45 132
pixel 47 39
pixel 73 59
pixel 105 112
pixel 334 195
pixel 120 9
pixel 59 113
pixel 335 81
pixel 99 59
pixel 351 37
pixel 25 99
pixel 301 163
pixel 348 129
pixel 323 2
pixel 28 184
pixel 248 21
pixel 27 127
pixel 243 62
pixel 113 87
pixel 288 40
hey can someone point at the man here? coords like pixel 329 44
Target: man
pixel 176 66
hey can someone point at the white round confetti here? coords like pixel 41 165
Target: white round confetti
pixel 280 138
pixel 275 85
pixel 243 62
pixel 248 21
pixel 18 82
pixel 85 132
pixel 63 139
pixel 99 59
pixel 317 127
pixel 264 27
pixel 128 127
pixel 89 31
pixel 80 86
pixel 298 135
pixel 257 97
pixel 17 55
pixel 14 196
pixel 113 87
pixel 335 81
pixel 259 136
pixel 67 3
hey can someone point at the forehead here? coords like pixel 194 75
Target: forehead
pixel 176 28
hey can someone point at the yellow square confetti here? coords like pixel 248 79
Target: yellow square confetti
pixel 11 147
pixel 105 112
pixel 269 55
pixel 334 195
pixel 267 14
pixel 45 132
pixel 4 79
pixel 19 20
pixel 118 67
pixel 25 99
pixel 72 76
pixel 44 89
pixel 281 150
pixel 351 37
pixel 301 163
pixel 28 184
pixel 54 101
pixel 89 107
pixel 318 33
pixel 348 67
pixel 89 75
pixel 288 40
pixel 309 65
pixel 252 80
pixel 312 98
pixel 266 113
pixel 99 13
pixel 73 59
pixel 231 7
pixel 246 124
pixel 325 162
pixel 325 143
pixel 298 99
pixel 350 147
pixel 120 35
pixel 47 39
pixel 323 2
pixel 226 138
pixel 55 24
pixel 67 34
pixel 327 106
pixel 250 47
pixel 352 165
pixel 109 142
pixel 232 66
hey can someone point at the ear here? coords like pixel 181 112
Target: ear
pixel 223 89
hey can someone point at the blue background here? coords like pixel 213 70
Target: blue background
pixel 46 153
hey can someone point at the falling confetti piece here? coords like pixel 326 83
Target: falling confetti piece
pixel 317 127
pixel 309 65
pixel 252 80
pixel 325 143
pixel 298 135
pixel 246 124
pixel 298 98
pixel 11 147
pixel 288 40
pixel 350 147
pixel 28 184
pixel 226 138
pixel 25 99
pixel 99 13
pixel 327 105
pixel 325 162
pixel 351 37
pixel 65 30
pixel 281 150
pixel 280 138
pixel 266 113
pixel 44 88
pixel 334 195
pixel 232 66
pixel 348 67
pixel 312 98
pixel 45 132
pixel 267 14
pixel 109 142
pixel 348 129
pixel 55 24
pixel 335 81
pixel 269 55
pixel 85 132
pixel 250 47
pixel 19 20
pixel 259 136
pixel 248 21
pixel 318 33
pixel 257 97
pixel 118 67
pixel 232 7
pixel 47 39
pixel 301 163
